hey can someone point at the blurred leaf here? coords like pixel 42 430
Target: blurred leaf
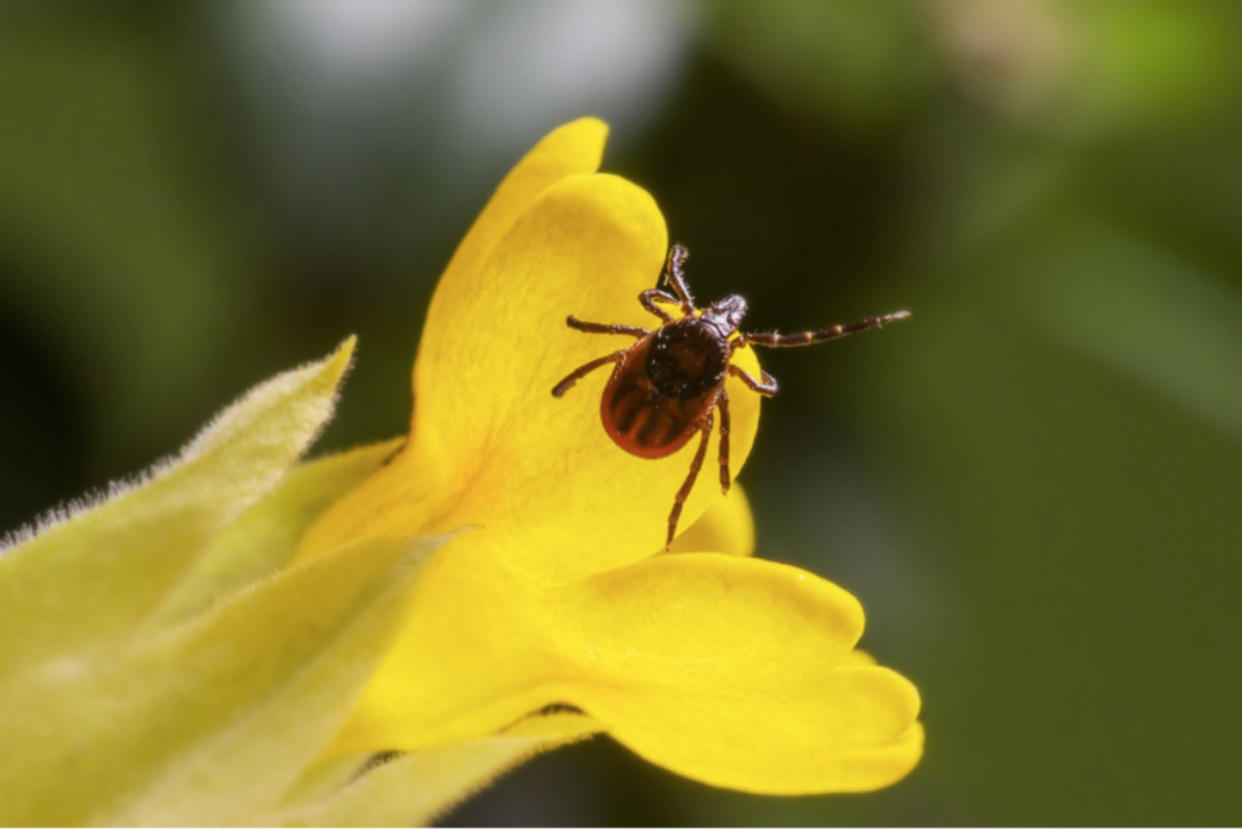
pixel 261 541
pixel 1151 63
pixel 413 789
pixel 213 721
pixel 1075 494
pixel 87 578
pixel 1081 69
pixel 856 62
pixel 1152 317
pixel 121 240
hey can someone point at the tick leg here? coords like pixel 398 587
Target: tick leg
pixel 677 256
pixel 584 370
pixel 806 338
pixel 603 328
pixel 766 387
pixel 648 299
pixel 695 466
pixel 723 403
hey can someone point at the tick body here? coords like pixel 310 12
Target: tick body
pixel 663 387
pixel 669 385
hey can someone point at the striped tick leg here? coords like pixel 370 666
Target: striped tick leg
pixel 584 370
pixel 604 328
pixel 677 256
pixel 695 466
pixel 806 338
pixel 649 297
pixel 673 276
pixel 766 387
pixel 723 404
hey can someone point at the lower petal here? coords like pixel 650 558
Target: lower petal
pixel 839 736
pixel 738 673
pixel 465 663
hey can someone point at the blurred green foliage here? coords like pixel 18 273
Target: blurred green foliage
pixel 1033 486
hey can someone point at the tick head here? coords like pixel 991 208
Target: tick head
pixel 726 313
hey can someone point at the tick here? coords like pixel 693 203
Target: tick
pixel 668 385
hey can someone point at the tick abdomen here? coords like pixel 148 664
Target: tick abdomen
pixel 642 418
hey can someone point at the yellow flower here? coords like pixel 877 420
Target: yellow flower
pixel 734 671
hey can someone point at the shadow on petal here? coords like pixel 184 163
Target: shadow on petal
pixel 726 527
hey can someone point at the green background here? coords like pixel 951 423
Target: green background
pixel 1033 486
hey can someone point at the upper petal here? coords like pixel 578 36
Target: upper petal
pixel 736 672
pixel 572 149
pixel 537 476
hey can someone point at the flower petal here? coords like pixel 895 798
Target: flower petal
pixel 733 671
pixel 726 527
pixel 491 448
pixel 573 149
pixel 467 662
pixel 737 672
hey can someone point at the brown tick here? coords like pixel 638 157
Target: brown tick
pixel 665 387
